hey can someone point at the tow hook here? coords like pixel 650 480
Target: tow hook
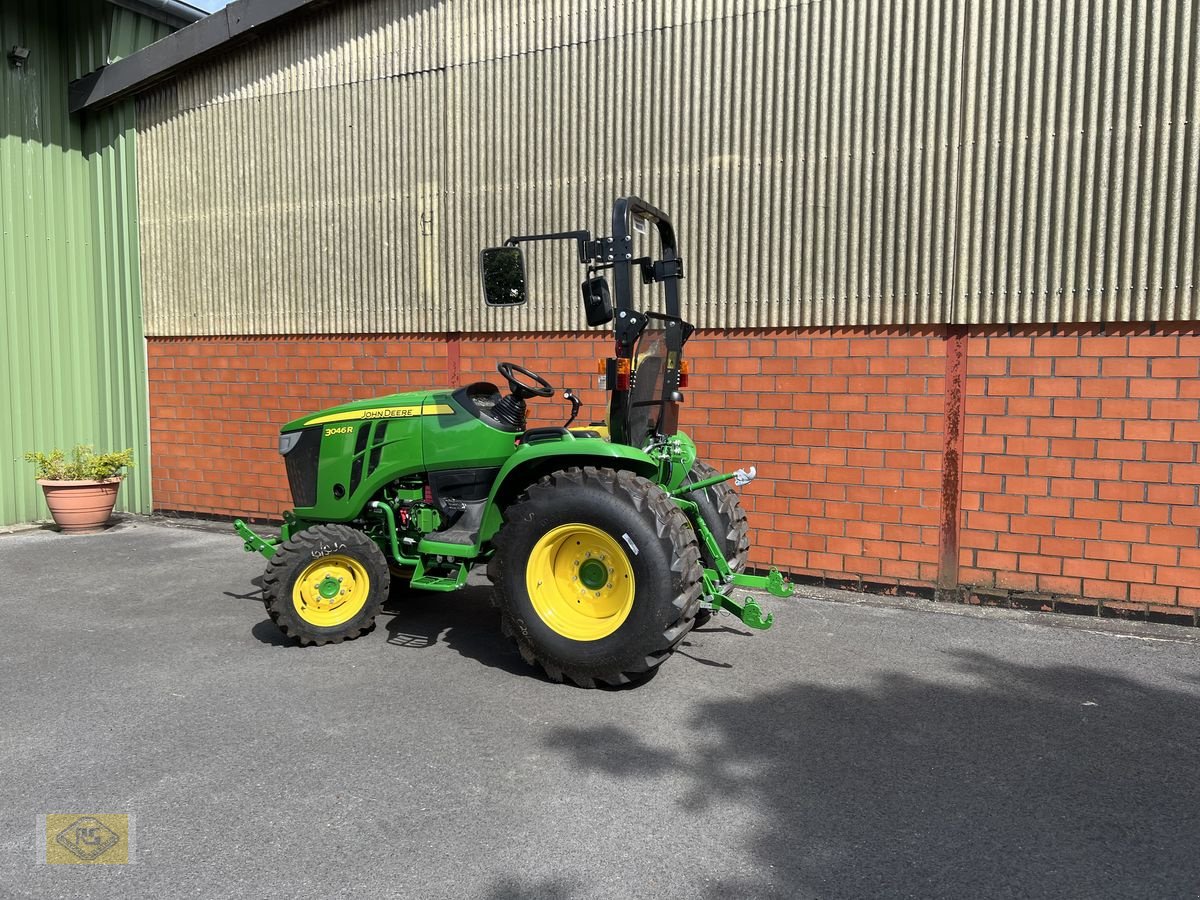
pixel 748 612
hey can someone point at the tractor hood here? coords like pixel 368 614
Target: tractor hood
pixel 395 406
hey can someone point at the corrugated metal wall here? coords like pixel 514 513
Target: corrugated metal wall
pixel 1081 162
pixel 837 162
pixel 72 358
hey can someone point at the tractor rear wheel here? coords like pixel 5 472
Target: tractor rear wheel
pixel 721 509
pixel 596 575
pixel 326 584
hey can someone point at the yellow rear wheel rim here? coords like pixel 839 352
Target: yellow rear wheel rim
pixel 331 591
pixel 580 582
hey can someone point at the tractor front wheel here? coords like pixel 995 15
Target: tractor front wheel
pixel 596 574
pixel 326 584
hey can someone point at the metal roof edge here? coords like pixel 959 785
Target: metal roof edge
pixel 225 29
pixel 176 13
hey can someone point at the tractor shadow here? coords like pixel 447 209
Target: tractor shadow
pixel 255 595
pixel 513 887
pixel 466 622
pixel 712 626
pixel 267 632
pixel 991 779
pixel 463 621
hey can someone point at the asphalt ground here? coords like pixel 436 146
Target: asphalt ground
pixel 861 748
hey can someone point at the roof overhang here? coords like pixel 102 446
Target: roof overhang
pixel 236 24
pixel 175 13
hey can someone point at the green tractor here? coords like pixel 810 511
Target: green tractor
pixel 604 544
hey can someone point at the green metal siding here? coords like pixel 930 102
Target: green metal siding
pixel 72 351
pixel 128 32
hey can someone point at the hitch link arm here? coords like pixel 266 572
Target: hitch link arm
pixel 254 542
pixel 748 612
pixel 686 489
pixel 741 478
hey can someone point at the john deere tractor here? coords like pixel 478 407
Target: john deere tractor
pixel 605 544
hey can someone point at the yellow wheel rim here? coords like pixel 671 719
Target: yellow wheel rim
pixel 580 582
pixel 331 591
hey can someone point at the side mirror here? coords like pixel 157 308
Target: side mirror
pixel 502 270
pixel 597 301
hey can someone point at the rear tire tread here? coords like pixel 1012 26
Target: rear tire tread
pixel 675 534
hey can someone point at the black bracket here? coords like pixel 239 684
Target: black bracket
pixel 629 327
pixel 658 270
pixel 646 266
pixel 668 268
pixel 597 252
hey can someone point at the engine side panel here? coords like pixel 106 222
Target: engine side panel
pixel 462 439
pixel 358 458
pixel 354 450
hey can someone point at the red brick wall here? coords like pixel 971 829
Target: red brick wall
pixel 843 426
pixel 216 405
pixel 1079 471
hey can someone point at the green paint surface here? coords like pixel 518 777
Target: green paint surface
pixel 388 445
pixel 72 351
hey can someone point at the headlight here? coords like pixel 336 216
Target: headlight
pixel 288 442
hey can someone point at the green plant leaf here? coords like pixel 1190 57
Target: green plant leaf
pixel 85 464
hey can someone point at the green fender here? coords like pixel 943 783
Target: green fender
pixel 531 461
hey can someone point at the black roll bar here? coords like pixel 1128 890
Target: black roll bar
pixel 621 253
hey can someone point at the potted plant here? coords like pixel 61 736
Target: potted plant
pixel 81 491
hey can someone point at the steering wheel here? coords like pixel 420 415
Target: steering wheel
pixel 520 390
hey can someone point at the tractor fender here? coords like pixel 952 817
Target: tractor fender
pixel 531 461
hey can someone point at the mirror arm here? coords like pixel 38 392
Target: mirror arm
pixel 589 251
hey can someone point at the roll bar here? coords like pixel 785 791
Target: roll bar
pixel 616 252
pixel 668 270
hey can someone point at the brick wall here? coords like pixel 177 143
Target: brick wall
pixel 216 405
pixel 1079 474
pixel 843 426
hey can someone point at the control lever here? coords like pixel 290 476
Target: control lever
pixel 576 405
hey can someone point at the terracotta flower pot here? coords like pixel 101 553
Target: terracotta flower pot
pixel 80 506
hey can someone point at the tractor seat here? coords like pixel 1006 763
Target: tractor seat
pixel 479 399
